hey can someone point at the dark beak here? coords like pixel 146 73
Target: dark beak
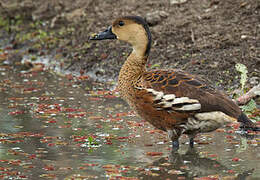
pixel 107 34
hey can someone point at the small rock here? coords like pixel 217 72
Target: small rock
pixel 214 64
pixel 155 17
pixel 177 1
pixel 243 36
pixel 75 15
pixel 254 80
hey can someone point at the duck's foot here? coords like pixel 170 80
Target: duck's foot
pixel 175 145
pixel 174 136
pixel 192 142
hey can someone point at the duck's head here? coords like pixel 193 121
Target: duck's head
pixel 131 29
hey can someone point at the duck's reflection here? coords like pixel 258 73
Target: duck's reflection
pixel 188 166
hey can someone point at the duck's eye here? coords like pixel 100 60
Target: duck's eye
pixel 121 23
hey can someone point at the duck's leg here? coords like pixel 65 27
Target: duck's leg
pixel 191 137
pixel 192 142
pixel 174 136
pixel 175 145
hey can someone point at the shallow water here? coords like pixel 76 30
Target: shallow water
pixel 67 127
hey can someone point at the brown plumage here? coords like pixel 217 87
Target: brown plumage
pixel 171 100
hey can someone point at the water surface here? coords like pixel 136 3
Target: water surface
pixel 67 127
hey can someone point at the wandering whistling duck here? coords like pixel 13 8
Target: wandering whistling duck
pixel 171 100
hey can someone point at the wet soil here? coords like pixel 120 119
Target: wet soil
pixel 200 36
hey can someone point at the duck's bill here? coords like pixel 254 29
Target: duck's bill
pixel 107 34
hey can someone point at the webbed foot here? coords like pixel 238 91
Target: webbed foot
pixel 175 145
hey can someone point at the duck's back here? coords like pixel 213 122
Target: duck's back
pixel 167 98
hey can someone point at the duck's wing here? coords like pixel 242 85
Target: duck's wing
pixel 175 90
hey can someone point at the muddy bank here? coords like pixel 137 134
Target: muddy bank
pixel 203 37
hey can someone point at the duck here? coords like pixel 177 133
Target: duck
pixel 171 100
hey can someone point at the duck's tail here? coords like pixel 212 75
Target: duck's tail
pixel 246 123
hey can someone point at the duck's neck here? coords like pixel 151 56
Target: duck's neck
pixel 133 67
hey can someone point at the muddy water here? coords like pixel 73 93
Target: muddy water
pixel 69 128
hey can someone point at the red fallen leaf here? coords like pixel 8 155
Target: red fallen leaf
pixel 108 166
pixel 103 56
pixel 44 140
pixel 123 137
pixel 89 164
pixel 7 81
pixel 235 125
pixel 69 77
pixel 138 124
pixel 124 171
pixel 14 141
pixel 205 178
pixel 51 121
pixel 121 114
pixel 2 169
pixel 98 126
pixel 154 153
pixel 12 173
pixel 82 168
pixel 15 99
pixel 235 159
pixel 15 162
pixel 30 89
pixel 154 131
pixel 230 131
pixel 181 177
pixel 116 119
pixel 76 115
pixel 12 106
pixel 184 167
pixel 220 130
pixel 95 117
pixel 109 96
pixel 48 168
pixel 71 110
pixel 231 171
pixel 94 99
pixel 213 155
pixel 216 165
pixel 3 57
pixel 2 89
pixel 16 113
pixel 23 176
pixel 81 72
pixel 64 126
pixel 83 77
pixel 44 98
pixel 229 137
pixel 51 144
pixel 8 48
pixel 4 161
pixel 32 156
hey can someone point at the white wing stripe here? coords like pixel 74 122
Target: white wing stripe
pixel 169 101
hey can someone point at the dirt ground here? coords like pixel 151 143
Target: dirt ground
pixel 205 37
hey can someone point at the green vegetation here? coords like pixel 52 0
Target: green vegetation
pixel 242 69
pixel 251 107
